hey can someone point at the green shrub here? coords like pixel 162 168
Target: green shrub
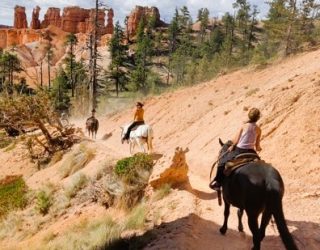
pixel 44 202
pixel 13 190
pixel 131 169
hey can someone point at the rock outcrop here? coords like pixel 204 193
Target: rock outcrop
pixel 20 17
pixel 10 37
pixel 109 27
pixel 52 17
pixel 35 22
pixel 174 173
pixel 137 14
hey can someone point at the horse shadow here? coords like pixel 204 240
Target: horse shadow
pixel 194 232
pixel 198 193
pixel 189 232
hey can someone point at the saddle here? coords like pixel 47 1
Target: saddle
pixel 239 161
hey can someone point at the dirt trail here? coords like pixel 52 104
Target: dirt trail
pixel 288 94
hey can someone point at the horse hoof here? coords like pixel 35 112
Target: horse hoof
pixel 223 230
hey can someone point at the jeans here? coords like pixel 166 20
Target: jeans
pixel 127 135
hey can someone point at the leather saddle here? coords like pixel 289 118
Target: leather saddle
pixel 239 161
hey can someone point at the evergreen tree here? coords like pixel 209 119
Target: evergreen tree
pixel 119 57
pixel 143 53
pixel 71 42
pixel 59 92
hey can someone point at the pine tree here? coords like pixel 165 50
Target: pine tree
pixel 119 57
pixel 143 53
pixel 71 42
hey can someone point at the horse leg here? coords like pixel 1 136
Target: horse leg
pixel 140 144
pixel 131 146
pixel 240 225
pixel 224 228
pixel 253 225
pixel 266 216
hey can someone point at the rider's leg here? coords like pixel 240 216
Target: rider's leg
pixel 127 135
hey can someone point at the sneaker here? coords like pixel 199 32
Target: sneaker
pixel 215 186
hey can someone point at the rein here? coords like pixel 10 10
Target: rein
pixel 214 164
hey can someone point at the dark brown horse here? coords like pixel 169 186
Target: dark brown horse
pixel 256 188
pixel 92 126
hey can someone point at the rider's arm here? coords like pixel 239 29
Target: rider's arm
pixel 235 140
pixel 258 147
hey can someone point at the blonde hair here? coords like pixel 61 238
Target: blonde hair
pixel 254 115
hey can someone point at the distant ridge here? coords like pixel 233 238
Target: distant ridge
pixel 5 26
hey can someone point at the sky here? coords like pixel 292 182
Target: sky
pixel 122 8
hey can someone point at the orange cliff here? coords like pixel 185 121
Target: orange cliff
pixel 139 12
pixel 74 19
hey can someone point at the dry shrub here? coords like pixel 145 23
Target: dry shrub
pixel 77 160
pixel 162 192
pixel 252 92
pixel 96 234
pixel 78 182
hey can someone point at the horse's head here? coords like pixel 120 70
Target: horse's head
pixel 224 147
pixel 123 130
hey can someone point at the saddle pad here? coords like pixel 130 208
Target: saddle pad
pixel 236 163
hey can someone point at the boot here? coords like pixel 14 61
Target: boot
pixel 215 185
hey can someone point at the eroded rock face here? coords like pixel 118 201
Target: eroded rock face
pixel 52 17
pixel 109 27
pixel 73 17
pixel 141 12
pixel 10 37
pixel 172 170
pixel 20 17
pixel 35 22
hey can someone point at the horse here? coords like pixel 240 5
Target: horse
pixel 139 136
pixel 255 188
pixel 92 126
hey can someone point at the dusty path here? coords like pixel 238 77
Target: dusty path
pixel 288 94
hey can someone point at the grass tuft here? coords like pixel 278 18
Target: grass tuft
pixel 78 182
pixel 13 191
pixel 77 160
pixel 162 192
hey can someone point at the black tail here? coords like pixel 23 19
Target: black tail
pixel 278 215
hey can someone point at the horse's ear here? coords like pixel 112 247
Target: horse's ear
pixel 221 143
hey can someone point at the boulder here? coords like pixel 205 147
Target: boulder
pixel 35 22
pixel 52 17
pixel 172 170
pixel 20 17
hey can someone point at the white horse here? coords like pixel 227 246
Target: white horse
pixel 139 136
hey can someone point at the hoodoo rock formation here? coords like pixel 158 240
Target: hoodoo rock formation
pixel 52 17
pixel 35 22
pixel 20 17
pixel 109 28
pixel 74 19
pixel 142 12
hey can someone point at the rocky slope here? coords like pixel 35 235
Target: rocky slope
pixel 288 95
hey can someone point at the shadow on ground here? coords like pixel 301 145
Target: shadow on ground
pixel 194 232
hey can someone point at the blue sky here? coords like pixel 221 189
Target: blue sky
pixel 123 7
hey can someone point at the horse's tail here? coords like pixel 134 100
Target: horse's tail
pixel 275 203
pixel 149 139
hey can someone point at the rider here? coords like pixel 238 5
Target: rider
pixel 247 140
pixel 138 120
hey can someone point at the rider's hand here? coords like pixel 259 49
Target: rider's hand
pixel 230 148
